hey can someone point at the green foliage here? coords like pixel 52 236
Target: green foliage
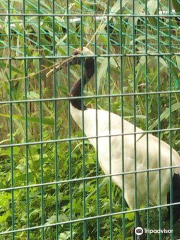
pixel 47 170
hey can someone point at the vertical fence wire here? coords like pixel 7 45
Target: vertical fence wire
pixel 56 123
pixel 159 123
pixel 122 64
pixel 109 118
pixel 70 131
pixel 43 213
pixel 98 205
pixel 11 123
pixel 27 123
pixel 147 117
pixel 170 121
pixel 134 60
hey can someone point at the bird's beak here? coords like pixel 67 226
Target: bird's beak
pixel 73 60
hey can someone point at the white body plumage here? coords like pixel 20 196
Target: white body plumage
pixel 97 121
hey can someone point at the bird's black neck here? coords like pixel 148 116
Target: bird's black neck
pixel 78 87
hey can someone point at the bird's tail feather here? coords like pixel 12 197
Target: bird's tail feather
pixel 175 198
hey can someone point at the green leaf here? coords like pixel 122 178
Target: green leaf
pixel 5 199
pixel 21 167
pixel 8 152
pixel 176 4
pixel 14 69
pixel 178 61
pixel 130 216
pixel 152 6
pixel 116 7
pixel 32 95
pixel 45 121
pixel 65 235
pixel 51 220
pixel 165 114
pixel 4 217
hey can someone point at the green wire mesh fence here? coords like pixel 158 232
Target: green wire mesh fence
pixel 51 184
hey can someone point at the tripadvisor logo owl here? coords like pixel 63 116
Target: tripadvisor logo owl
pixel 138 231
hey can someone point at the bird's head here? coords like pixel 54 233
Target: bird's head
pixel 77 54
pixel 75 59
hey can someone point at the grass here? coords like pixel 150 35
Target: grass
pixel 29 47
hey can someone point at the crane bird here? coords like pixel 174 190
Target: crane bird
pixel 150 154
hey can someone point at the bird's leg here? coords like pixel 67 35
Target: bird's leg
pixel 143 236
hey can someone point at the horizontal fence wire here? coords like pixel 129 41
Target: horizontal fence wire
pixel 89 218
pixel 53 182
